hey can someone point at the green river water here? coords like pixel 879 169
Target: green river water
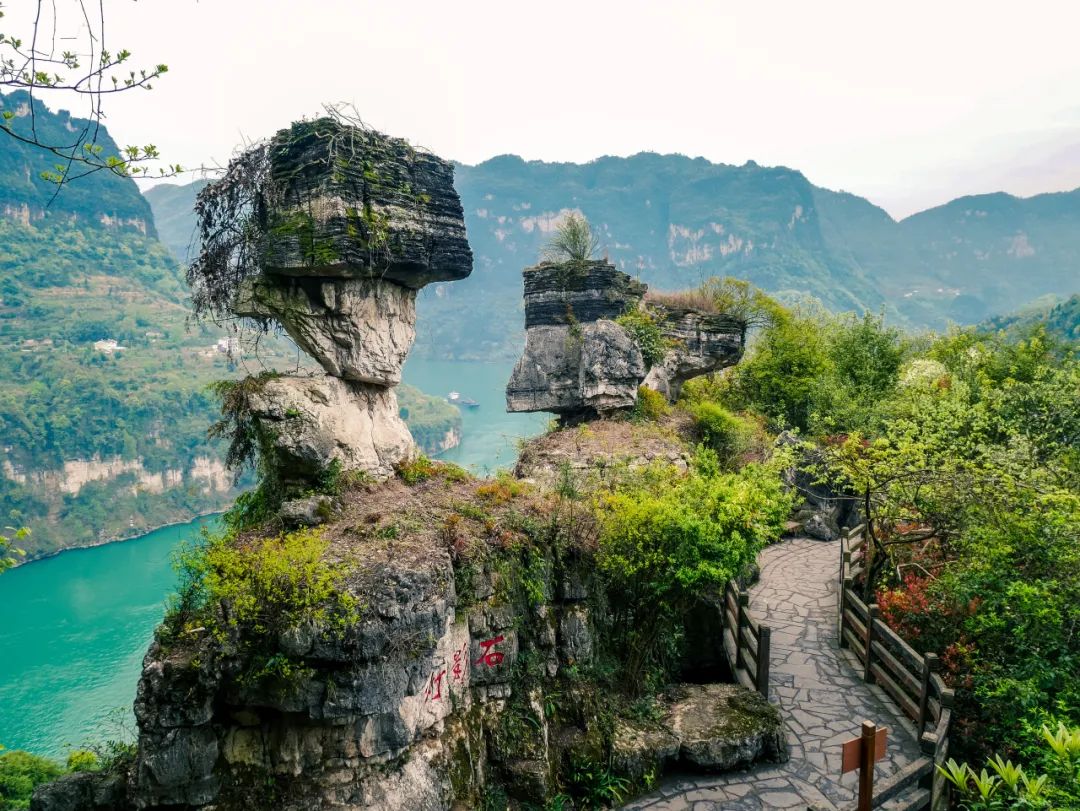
pixel 75 627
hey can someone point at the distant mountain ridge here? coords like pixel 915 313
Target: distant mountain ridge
pixel 674 221
pixel 99 199
pixel 1060 319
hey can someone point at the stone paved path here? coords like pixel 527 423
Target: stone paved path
pixel 822 697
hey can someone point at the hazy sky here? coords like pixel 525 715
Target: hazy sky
pixel 909 104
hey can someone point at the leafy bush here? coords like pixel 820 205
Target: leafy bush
pixel 20 773
pixel 651 405
pixel 258 589
pixel 784 373
pixel 820 374
pixel 646 334
pixel 1009 786
pixel 416 470
pixel 670 539
pixel 82 760
pixel 721 430
pixel 501 489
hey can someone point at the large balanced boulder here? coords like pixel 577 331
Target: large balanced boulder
pixel 343 226
pixel 349 202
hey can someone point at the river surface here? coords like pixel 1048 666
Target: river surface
pixel 74 628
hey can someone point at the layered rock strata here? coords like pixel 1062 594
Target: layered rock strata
pixel 577 360
pixel 580 362
pixel 351 203
pixel 354 223
pixel 699 343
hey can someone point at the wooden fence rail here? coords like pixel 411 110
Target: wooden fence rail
pixel 746 643
pixel 912 680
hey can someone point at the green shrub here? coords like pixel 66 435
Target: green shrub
pixel 1005 785
pixel 417 470
pixel 672 539
pixel 20 773
pixel 721 430
pixel 82 760
pixel 651 405
pixel 646 334
pixel 784 372
pixel 254 590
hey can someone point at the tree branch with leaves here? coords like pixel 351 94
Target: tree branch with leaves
pixel 44 62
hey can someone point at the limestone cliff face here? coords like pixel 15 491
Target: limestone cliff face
pixel 410 709
pixel 353 224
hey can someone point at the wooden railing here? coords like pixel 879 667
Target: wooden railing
pixel 746 643
pixel 913 681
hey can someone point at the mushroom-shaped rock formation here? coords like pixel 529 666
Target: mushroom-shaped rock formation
pixel 337 228
pixel 577 360
pixel 580 362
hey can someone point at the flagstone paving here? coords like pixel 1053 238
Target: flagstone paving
pixel 821 696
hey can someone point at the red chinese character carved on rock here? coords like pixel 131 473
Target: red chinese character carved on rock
pixel 488 656
pixel 460 658
pixel 434 688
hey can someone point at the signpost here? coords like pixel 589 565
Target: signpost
pixel 862 753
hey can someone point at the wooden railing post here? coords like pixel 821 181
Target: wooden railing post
pixel 931 665
pixel 871 615
pixel 740 623
pixel 764 636
pixel 866 766
pixel 845 584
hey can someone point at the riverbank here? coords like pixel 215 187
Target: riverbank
pixel 139 533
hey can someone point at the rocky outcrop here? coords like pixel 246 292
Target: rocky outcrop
pixel 405 710
pixel 319 420
pixel 590 369
pixel 563 294
pixel 353 224
pixel 577 360
pixel 699 343
pixel 711 727
pixel 357 329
